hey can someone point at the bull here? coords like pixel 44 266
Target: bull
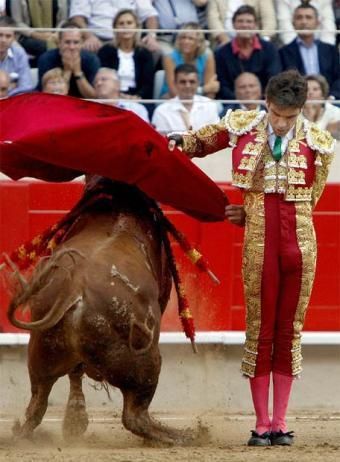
pixel 96 307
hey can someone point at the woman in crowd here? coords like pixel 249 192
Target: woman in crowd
pixel 190 48
pixel 324 114
pixel 133 63
pixel 55 81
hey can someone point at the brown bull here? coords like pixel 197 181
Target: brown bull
pixel 96 307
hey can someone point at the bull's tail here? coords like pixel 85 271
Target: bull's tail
pixel 40 280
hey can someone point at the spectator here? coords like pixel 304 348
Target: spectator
pixel 79 66
pixel 179 115
pixel 336 8
pixel 190 48
pixel 172 14
pixel 325 115
pixel 220 13
pixel 55 81
pixel 133 63
pixel 245 53
pixel 107 87
pixel 5 82
pixel 4 8
pixel 285 9
pixel 248 87
pixel 99 14
pixel 13 58
pixel 30 15
pixel 309 55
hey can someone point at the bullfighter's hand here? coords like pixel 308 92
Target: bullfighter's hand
pixel 174 139
pixel 235 214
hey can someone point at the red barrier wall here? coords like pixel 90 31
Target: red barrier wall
pixel 26 208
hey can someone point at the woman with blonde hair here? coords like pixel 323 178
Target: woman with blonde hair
pixel 55 81
pixel 133 63
pixel 190 48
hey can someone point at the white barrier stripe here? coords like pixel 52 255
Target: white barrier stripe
pixel 208 337
pixel 162 31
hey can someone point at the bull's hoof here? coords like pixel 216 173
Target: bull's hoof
pixel 20 432
pixel 75 423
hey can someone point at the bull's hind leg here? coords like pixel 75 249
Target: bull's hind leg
pixel 136 418
pixel 75 419
pixel 37 407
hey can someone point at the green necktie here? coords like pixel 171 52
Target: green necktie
pixel 277 148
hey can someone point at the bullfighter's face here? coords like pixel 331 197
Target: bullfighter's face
pixel 282 118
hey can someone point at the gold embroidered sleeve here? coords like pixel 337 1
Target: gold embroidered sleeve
pixel 323 164
pixel 206 140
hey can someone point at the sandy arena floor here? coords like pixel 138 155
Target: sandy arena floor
pixel 223 439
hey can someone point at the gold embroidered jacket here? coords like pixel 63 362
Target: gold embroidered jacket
pixel 300 174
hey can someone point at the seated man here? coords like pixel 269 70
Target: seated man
pixel 107 87
pixel 187 110
pixel 245 53
pixel 309 55
pixel 247 88
pixel 13 58
pixel 80 66
pixel 5 82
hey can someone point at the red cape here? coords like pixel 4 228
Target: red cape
pixel 56 138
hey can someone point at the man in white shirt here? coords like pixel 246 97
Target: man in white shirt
pixel 187 110
pixel 107 87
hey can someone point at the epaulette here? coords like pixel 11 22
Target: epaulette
pixel 239 122
pixel 318 139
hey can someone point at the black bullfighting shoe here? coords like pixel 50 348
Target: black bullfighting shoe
pixel 282 439
pixel 259 440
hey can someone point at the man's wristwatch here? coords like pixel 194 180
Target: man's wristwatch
pixel 79 76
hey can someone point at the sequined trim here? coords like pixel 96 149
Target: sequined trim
pixel 317 139
pixel 253 254
pixel 307 245
pixel 240 122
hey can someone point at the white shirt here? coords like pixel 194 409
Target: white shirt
pixel 135 107
pixel 126 70
pixel 284 139
pixel 100 13
pixel 172 115
pixel 330 114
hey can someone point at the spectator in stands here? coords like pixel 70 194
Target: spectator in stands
pixel 55 81
pixel 309 55
pixel 4 8
pixel 134 63
pixel 325 115
pixel 220 14
pixel 179 115
pixel 190 48
pixel 172 14
pixel 245 53
pixel 13 58
pixel 5 82
pixel 248 87
pixel 30 15
pixel 99 14
pixel 285 9
pixel 80 66
pixel 107 87
pixel 336 8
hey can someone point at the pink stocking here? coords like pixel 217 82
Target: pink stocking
pixel 282 387
pixel 260 393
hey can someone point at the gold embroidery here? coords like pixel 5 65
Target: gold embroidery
pixel 253 149
pixel 202 141
pixel 298 193
pixel 239 122
pixel 242 180
pixel 299 161
pixel 247 163
pixel 321 173
pixel 318 139
pixel 296 176
pixel 307 245
pixel 253 253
